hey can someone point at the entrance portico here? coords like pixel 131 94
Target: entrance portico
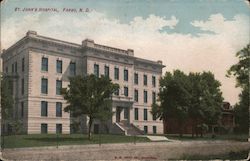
pixel 122 114
pixel 122 111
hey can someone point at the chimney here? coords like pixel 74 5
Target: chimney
pixel 88 43
pixel 130 52
pixel 159 62
pixel 31 33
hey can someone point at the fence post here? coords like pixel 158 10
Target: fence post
pixel 99 139
pixel 3 142
pixel 3 132
pixel 134 139
pixel 57 140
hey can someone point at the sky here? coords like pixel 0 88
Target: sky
pixel 190 35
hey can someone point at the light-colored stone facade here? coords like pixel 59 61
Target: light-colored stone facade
pixel 23 61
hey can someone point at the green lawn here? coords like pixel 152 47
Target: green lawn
pixel 19 141
pixel 235 137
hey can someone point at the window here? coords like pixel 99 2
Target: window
pixel 116 73
pixel 153 97
pixel 44 108
pixel 154 130
pixel 116 92
pixel 44 86
pixel 136 95
pixel 153 81
pixel 58 128
pixel 58 87
pixel 44 128
pixel 126 113
pixel 145 114
pixel 11 88
pixel 145 80
pixel 44 64
pixel 23 64
pixel 58 109
pixel 145 96
pixel 15 67
pixel 125 75
pixel 72 68
pixel 59 66
pixel 22 86
pixel 145 129
pixel 136 114
pixel 136 78
pixel 106 71
pixel 96 70
pixel 126 91
pixel 22 109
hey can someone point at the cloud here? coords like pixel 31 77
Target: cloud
pixel 214 52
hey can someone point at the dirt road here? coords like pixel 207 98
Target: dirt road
pixel 140 151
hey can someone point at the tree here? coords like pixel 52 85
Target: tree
pixel 174 98
pixel 7 101
pixel 6 98
pixel 241 112
pixel 241 72
pixel 206 101
pixel 196 97
pixel 90 95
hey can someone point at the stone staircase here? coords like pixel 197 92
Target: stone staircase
pixel 130 129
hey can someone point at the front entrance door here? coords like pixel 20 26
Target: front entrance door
pixel 118 114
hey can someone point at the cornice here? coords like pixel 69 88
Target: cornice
pixel 86 45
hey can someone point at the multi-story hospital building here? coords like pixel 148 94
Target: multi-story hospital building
pixel 40 67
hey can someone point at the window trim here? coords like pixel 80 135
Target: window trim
pixel 154 129
pixel 70 68
pixel 61 126
pixel 136 95
pixel 44 114
pixel 96 67
pixel 57 90
pixel 125 75
pixel 125 93
pixel 60 113
pixel 145 80
pixel 145 129
pixel 59 69
pixel 145 96
pixel 46 125
pixel 145 114
pixel 136 78
pixel 22 86
pixel 45 66
pixel 136 114
pixel 106 71
pixel 42 86
pixel 153 81
pixel 23 64
pixel 116 73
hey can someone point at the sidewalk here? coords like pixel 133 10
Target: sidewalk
pixel 127 151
